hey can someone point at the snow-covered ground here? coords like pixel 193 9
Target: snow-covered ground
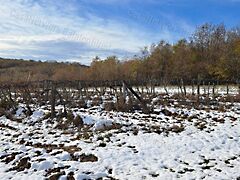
pixel 171 143
pixel 219 89
pixel 204 89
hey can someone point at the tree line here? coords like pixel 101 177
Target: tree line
pixel 211 52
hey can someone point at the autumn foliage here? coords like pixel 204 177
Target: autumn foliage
pixel 212 52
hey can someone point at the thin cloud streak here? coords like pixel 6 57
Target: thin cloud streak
pixel 25 24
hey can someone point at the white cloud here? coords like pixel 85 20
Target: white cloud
pixel 27 26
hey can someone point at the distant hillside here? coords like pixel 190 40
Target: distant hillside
pixel 18 70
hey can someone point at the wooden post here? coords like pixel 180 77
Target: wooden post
pixel 184 88
pixel 53 99
pixel 165 86
pixel 209 88
pixel 198 88
pixel 213 89
pixel 204 88
pixel 227 88
pixel 144 106
pixel 124 92
pixel 193 88
pixel 238 86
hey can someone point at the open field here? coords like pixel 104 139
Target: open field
pixel 119 90
pixel 182 138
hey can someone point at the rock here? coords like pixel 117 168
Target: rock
pixel 88 158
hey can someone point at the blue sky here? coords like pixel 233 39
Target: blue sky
pixel 78 30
